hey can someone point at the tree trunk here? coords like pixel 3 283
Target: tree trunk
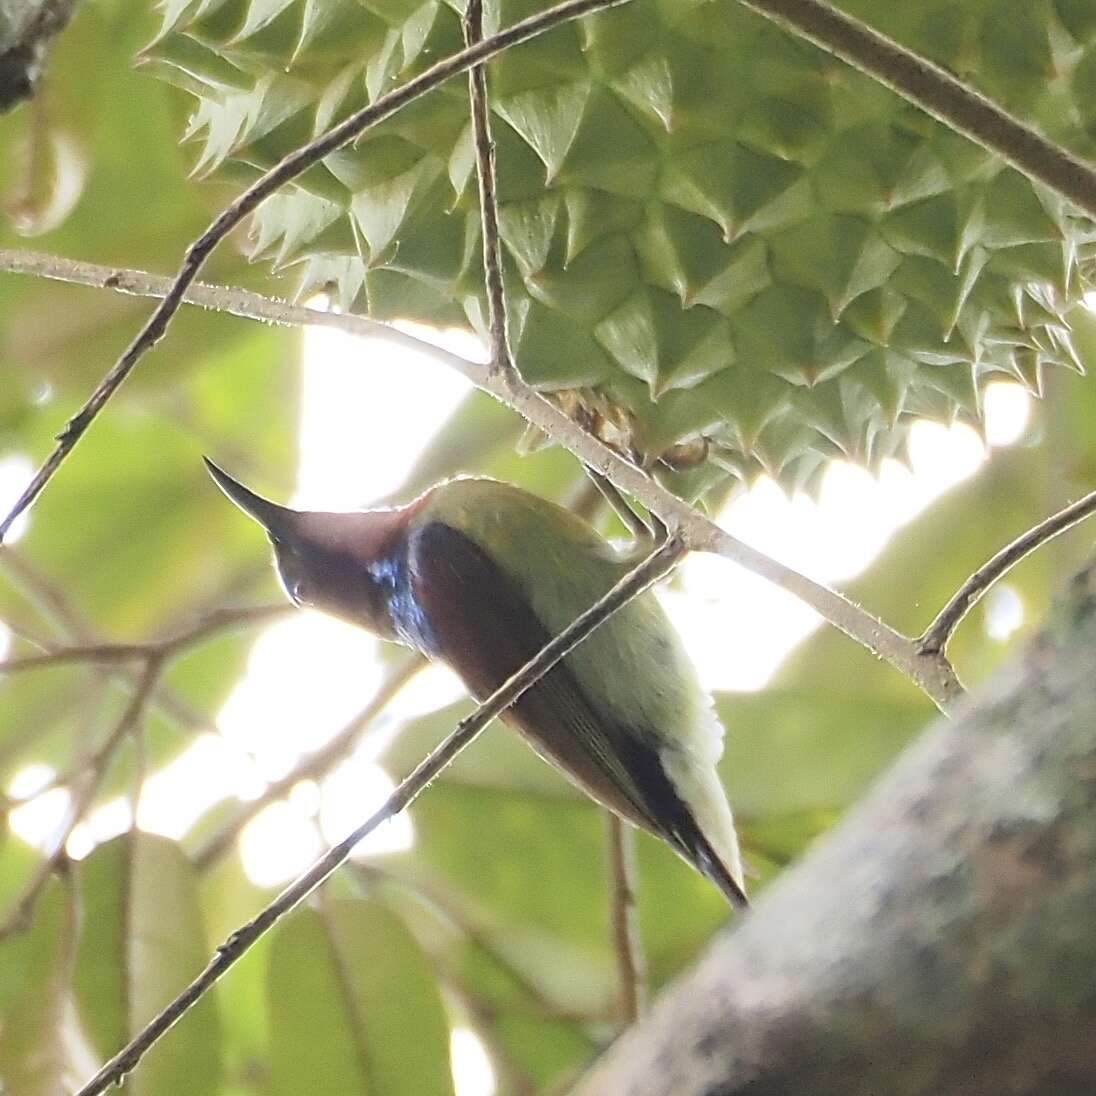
pixel 942 940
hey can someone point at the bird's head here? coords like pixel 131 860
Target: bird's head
pixel 326 560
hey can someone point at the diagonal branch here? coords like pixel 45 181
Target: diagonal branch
pixel 247 202
pixel 634 583
pixel 940 631
pixel 938 92
pixel 930 672
pixel 916 79
pixel 97 653
pixel 45 597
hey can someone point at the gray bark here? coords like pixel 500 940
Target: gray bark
pixel 942 940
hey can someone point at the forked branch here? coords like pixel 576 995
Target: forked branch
pixel 940 631
pixel 931 672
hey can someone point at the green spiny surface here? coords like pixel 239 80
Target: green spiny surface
pixel 725 251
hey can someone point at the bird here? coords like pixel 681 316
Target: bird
pixel 480 574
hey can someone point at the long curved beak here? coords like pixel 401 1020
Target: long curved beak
pixel 276 520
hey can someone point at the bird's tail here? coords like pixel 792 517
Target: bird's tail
pixel 703 829
pixel 710 864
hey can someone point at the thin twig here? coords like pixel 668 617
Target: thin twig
pixel 584 499
pixel 510 1077
pixel 111 658
pixel 247 202
pixel 930 672
pixel 498 322
pixel 62 656
pixel 637 580
pixel 45 596
pixel 936 637
pixel 936 91
pixel 213 298
pixel 218 620
pixel 636 526
pixel 95 768
pixel 314 767
pixel 19 629
pixel 623 873
pixel 53 605
pixel 624 914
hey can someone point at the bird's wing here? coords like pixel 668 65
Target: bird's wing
pixel 485 629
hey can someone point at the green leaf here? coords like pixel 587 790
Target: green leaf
pixel 229 899
pixel 354 1006
pixel 17 862
pixel 535 1042
pixel 140 941
pixel 526 1033
pixel 792 749
pixel 538 864
pixel 35 1039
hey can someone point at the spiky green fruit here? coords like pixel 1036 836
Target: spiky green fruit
pixel 725 250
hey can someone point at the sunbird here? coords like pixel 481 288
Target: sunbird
pixel 480 575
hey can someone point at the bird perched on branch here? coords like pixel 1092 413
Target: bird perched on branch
pixel 480 575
